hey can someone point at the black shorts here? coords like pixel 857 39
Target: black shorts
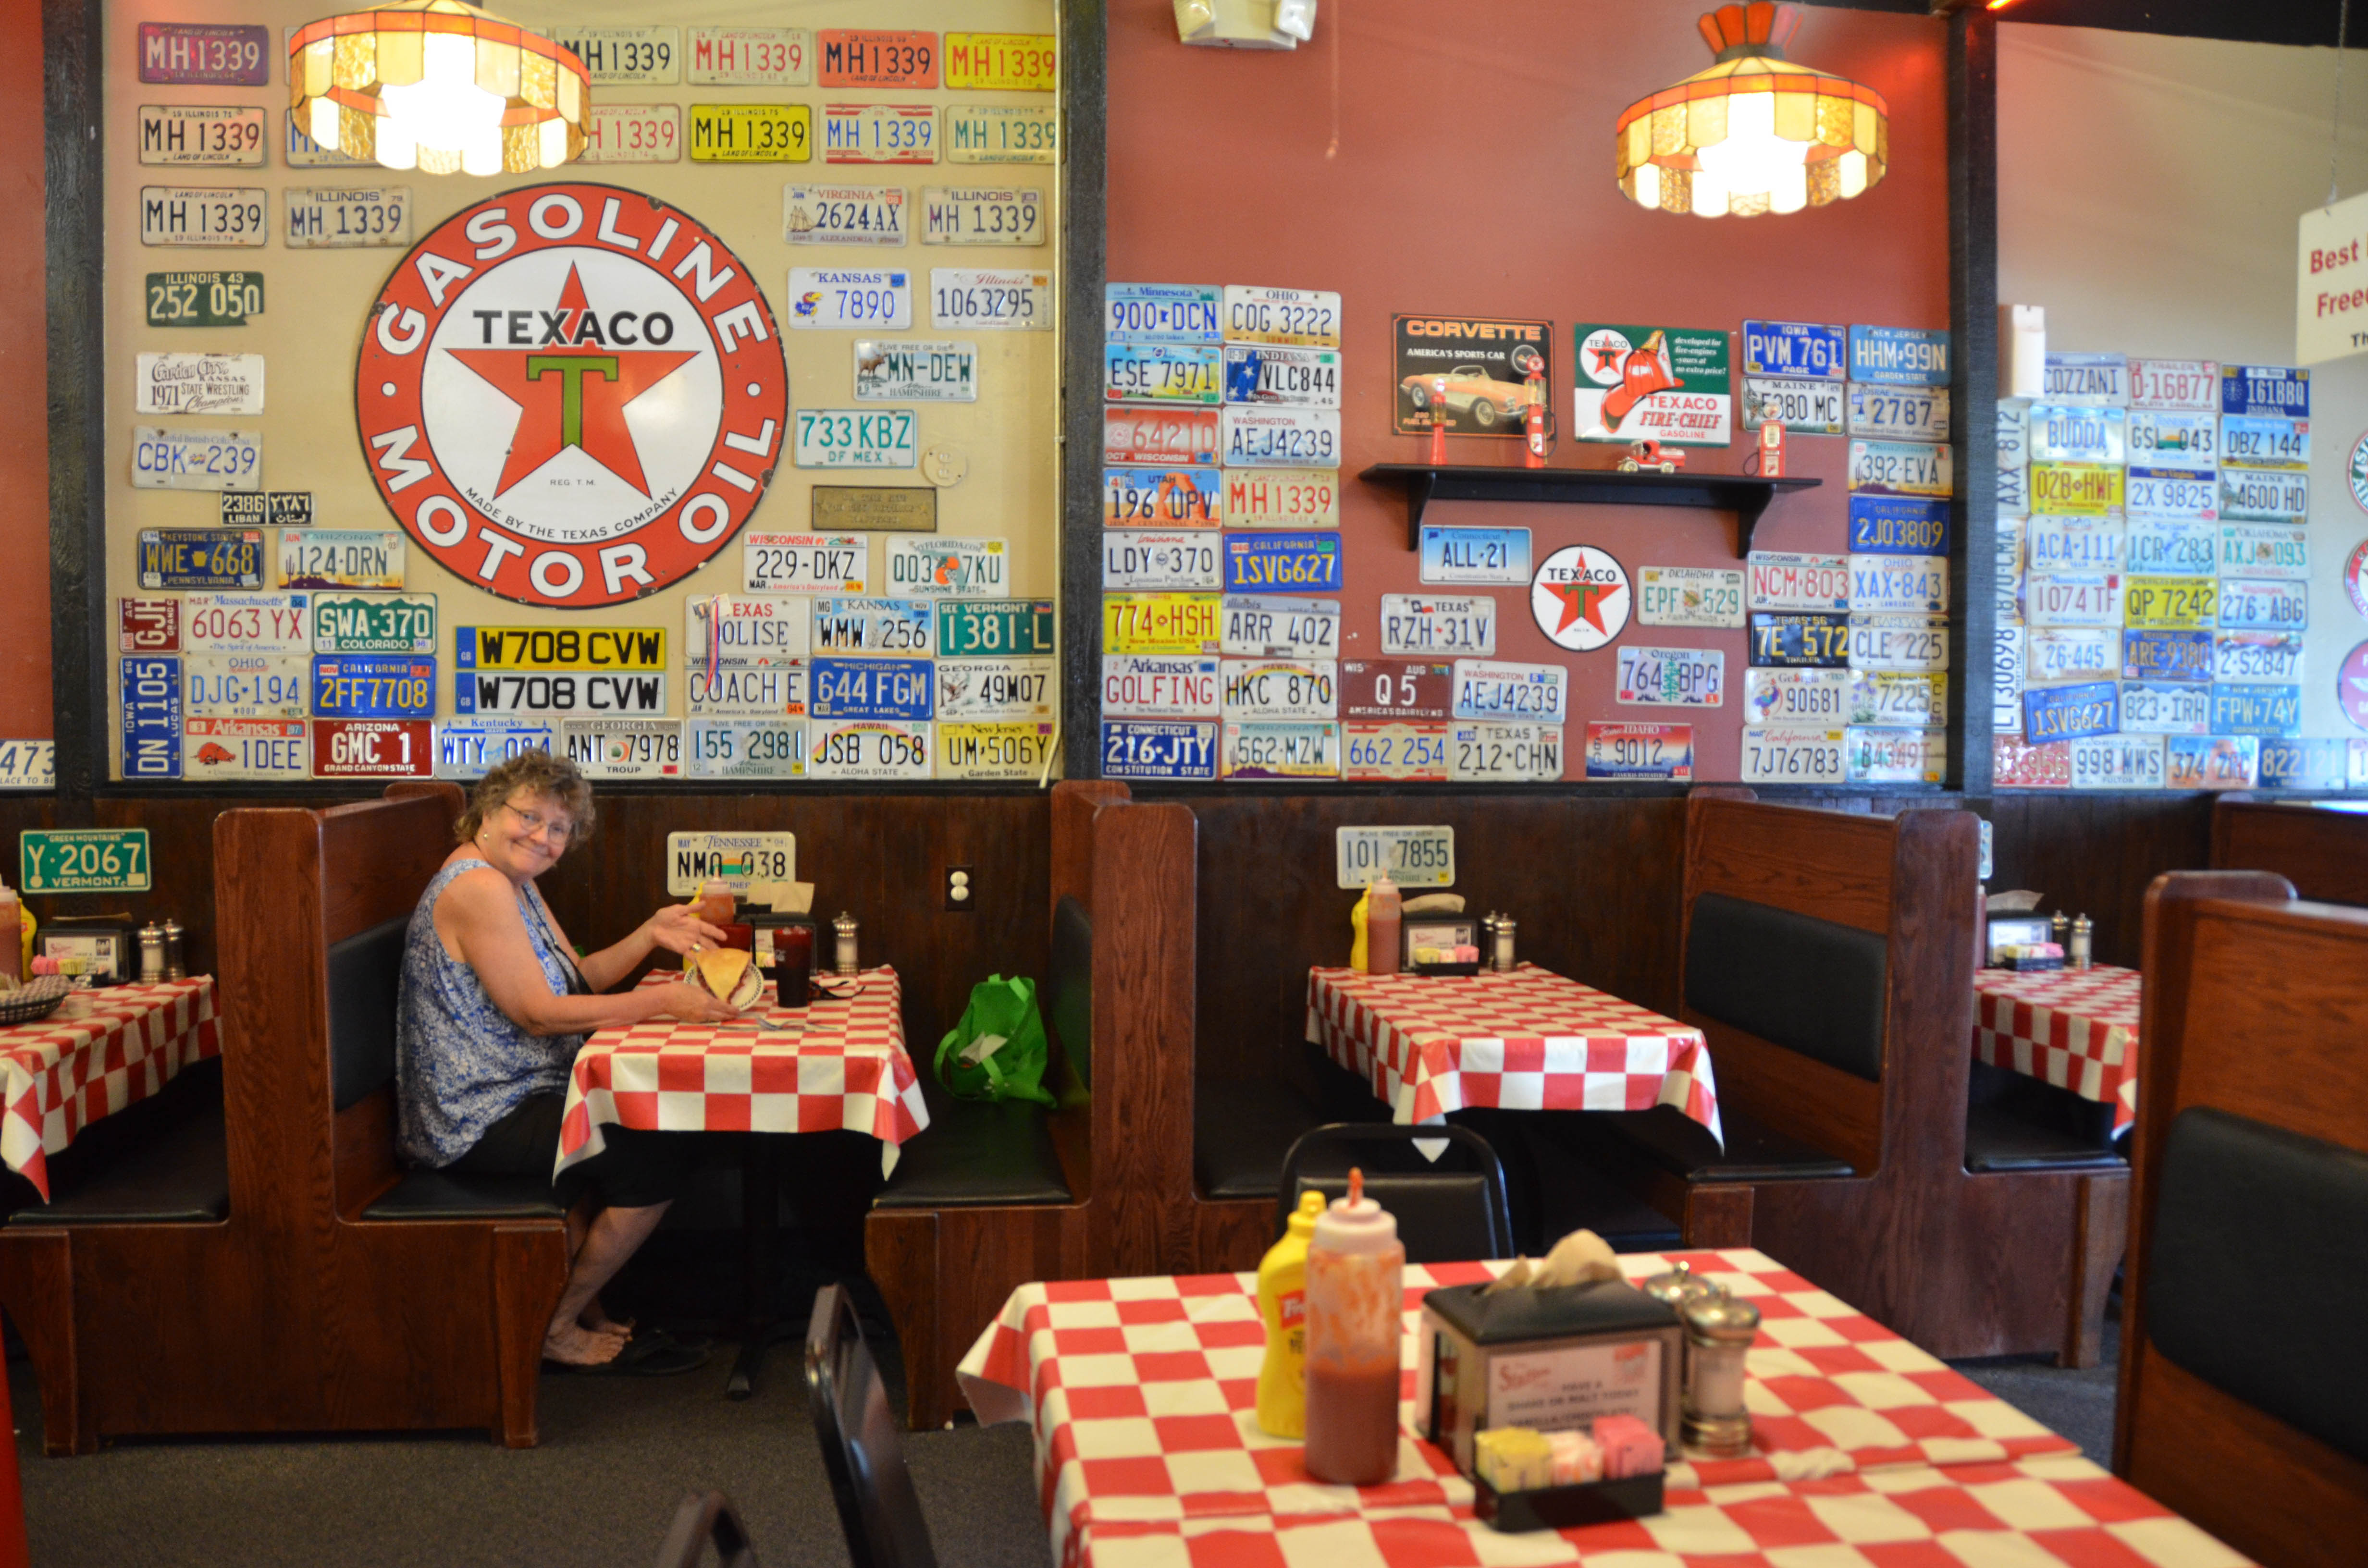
pixel 633 1169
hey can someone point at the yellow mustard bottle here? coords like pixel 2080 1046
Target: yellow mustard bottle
pixel 1283 1306
pixel 1357 924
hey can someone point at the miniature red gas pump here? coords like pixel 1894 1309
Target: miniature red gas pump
pixel 1771 450
pixel 1439 418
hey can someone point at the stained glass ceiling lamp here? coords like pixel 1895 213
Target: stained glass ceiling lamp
pixel 1754 133
pixel 437 86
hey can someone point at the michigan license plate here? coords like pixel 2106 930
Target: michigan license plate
pixel 833 298
pixel 196 459
pixel 1785 753
pixel 175 215
pixel 201 558
pixel 1408 753
pixel 1307 318
pixel 1132 559
pixel 200 135
pixel 764 691
pixel 1513 692
pixel 994 626
pixel 2173 494
pixel 2118 762
pixel 2264 550
pixel 1279 689
pixel 632 133
pixel 990 301
pixel 1002 133
pixel 1796 582
pixel 985 690
pixel 1280 438
pixel 2249 494
pixel 1257 750
pixel 470 748
pixel 1899 413
pixel 1418 623
pixel 964 215
pixel 1690 595
pixel 2211 762
pixel 1676 678
pixel 1172 498
pixel 1279 628
pixel 1161 437
pixel 1011 751
pixel 1142 749
pixel 2163 439
pixel 1160 685
pixel 1796 697
pixel 1162 372
pixel 871 688
pixel 345 216
pixel 2166 655
pixel 1899 642
pixel 842 215
pixel 1640 751
pixel 915 371
pixel 729 631
pixel 1281 498
pixel 2077 435
pixel 1805 639
pixel 924 567
pixel 1159 623
pixel 624 749
pixel 356 687
pixel 875 625
pixel 745 748
pixel 2165 708
pixel 855 437
pixel 2170 547
pixel 2070 712
pixel 246 685
pixel 369 558
pixel 803 564
pixel 2256 656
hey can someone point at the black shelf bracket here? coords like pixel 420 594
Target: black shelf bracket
pixel 1744 494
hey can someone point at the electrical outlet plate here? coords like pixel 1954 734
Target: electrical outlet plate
pixel 969 876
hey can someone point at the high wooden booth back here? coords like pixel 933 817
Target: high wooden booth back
pixel 2321 849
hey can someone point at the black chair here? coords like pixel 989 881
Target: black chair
pixel 877 1507
pixel 1444 1214
pixel 706 1518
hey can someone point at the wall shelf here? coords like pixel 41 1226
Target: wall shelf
pixel 1741 494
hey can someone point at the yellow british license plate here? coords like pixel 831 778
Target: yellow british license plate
pixel 560 648
pixel 751 133
pixel 1159 623
pixel 1006 62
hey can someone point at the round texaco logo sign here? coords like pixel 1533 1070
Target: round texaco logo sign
pixel 1580 597
pixel 571 395
pixel 2356 471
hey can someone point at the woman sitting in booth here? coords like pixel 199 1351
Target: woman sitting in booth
pixel 495 1005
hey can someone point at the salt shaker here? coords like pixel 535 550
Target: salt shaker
pixel 175 967
pixel 1679 1287
pixel 2084 944
pixel 2061 926
pixel 845 928
pixel 1719 1331
pixel 1501 959
pixel 151 953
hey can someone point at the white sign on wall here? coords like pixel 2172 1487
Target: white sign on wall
pixel 2332 282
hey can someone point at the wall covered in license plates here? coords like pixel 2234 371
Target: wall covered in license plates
pixel 726 452
pixel 1302 244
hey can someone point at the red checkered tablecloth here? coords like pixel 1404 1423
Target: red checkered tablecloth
pixel 1527 1040
pixel 2077 1029
pixel 100 1052
pixel 1142 1394
pixel 846 1068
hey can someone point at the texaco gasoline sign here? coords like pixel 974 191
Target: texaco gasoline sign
pixel 571 395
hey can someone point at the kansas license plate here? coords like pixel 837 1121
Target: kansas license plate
pixel 1899 642
pixel 255 749
pixel 2266 496
pixel 1282 498
pixel 768 691
pixel 900 371
pixel 1898 414
pixel 2191 386
pixel 2247 605
pixel 373 748
pixel 2166 655
pixel 2165 708
pixel 2256 710
pixel 1255 749
pixel 1898 585
pixel 2075 544
pixel 1803 407
pixel 1690 595
pixel 632 133
pixel 871 688
pixel 997 626
pixel 926 567
pixel 343 217
pixel 966 215
pixel 1159 623
pixel 197 383
pixel 1162 372
pixel 1897 698
pixel 1283 562
pixel 856 437
pixel 863 299
pixel 2169 604
pixel 2276 391
pixel 1674 678
pixel 842 215
pixel 1796 697
pixel 1134 748
pixel 1002 133
pixel 745 748
pixel 1166 436
pixel 1808 639
pixel 215 135
pixel 2081 653
pixel 2301 765
pixel 246 685
pixel 1132 559
pixel 2118 762
pixel 1161 313
pixel 369 558
pixel 1474 555
pixel 245 623
pixel 1504 754
pixel 2250 441
pixel 2091 381
pixel 1407 753
pixel 1261 627
pixel 1173 498
pixel 624 749
pixel 151 705
pixel 201 558
pixel 1280 377
pixel 875 626
pixel 174 215
pixel 1511 692
pixel 2264 550
pixel 1640 751
pixel 2191 496
pixel 1160 685
pixel 2211 762
pixel 196 459
pixel 985 690
pixel 803 564
pixel 1417 623
pixel 730 631
pixel 869 748
pixel 1794 348
pixel 1877 756
pixel 2070 712
pixel 2164 440
pixel 470 748
pixel 346 686
pixel 1009 750
pixel 869 133
pixel 1789 754
pixel 990 301
pixel 2062 433
pixel 2075 598
pixel 2256 656
pixel 1899 356
pixel 203 298
pixel 1259 436
pixel 2170 547
pixel 1890 525
pixel 2089 489
pixel 1307 318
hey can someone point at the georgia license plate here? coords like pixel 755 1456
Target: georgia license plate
pixel 1161 313
pixel 201 558
pixel 1140 749
pixel 985 690
pixel 2254 442
pixel 245 686
pixel 1002 133
pixel 1673 678
pixel 875 625
pixel 1134 559
pixel 203 298
pixel 2256 710
pixel 830 298
pixel 1283 628
pixel 349 687
pixel 2169 604
pixel 2165 708
pixel 868 748
pixel 1486 691
pixel 1396 690
pixel 2070 712
pixel 1891 525
pixel 1143 497
pixel 927 567
pixel 769 691
pixel 373 748
pixel 994 626
pixel 624 749
pixel 1279 689
pixel 728 631
pixel 245 623
pixel 2075 598
pixel 855 437
pixel 2086 653
pixel 1907 699
pixel 2211 762
pixel 1690 595
pixel 1504 754
pixel 1160 685
pixel 470 748
pixel 2238 656
pixel 1159 623
pixel 1474 555
pixel 966 215
pixel 1162 372
pixel 1808 639
pixel 2264 495
pixel 557 692
pixel 2162 439
pixel 1889 584
pixel 618 57
pixel 196 459
pixel 175 215
pixel 2301 765
pixel 1407 753
pixel 342 558
pixel 801 563
pixel 1785 753
pixel 2087 490
pixel 2250 606
pixel 1418 623
pixel 1282 562
pixel 1899 413
pixel 2077 544
pixel 1796 697
pixel 1280 438
pixel 342 217
pixel 2166 655
pixel 1895 756
pixel 1255 750
pixel 632 133
pixel 1308 318
pixel 1282 498
pixel 1000 751
pixel 2188 385
pixel 1163 437
pixel 915 373
pixel 2264 550
pixel 1899 642
pixel 990 301
pixel 1280 376
pixel 1794 348
pixel 1640 751
pixel 872 134
pixel 746 748
pixel 842 215
pixel 2118 762
pixel 2175 494
pixel 871 688
pixel 2170 547
pixel 2077 435
pixel 1805 408
pixel 1796 582
pixel 246 748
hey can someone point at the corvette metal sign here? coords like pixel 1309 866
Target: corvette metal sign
pixel 571 395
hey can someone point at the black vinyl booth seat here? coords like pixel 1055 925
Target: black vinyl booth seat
pixel 163 1162
pixel 2018 1123
pixel 1243 1129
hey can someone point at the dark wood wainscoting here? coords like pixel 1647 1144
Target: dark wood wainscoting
pixel 2095 855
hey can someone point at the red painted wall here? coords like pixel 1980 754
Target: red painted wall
pixel 1458 159
pixel 25 371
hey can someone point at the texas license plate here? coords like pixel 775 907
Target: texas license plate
pixel 1900 698
pixel 1174 498
pixel 373 748
pixel 1260 436
pixel 2178 493
pixel 632 133
pixel 990 301
pixel 995 627
pixel 1794 348
pixel 2015 765
pixel 2256 710
pixel 203 298
pixel 256 749
pixel 369 558
pixel 1796 582
pixel 1805 408
pixel 2169 604
pixel 2163 439
pixel 2250 606
pixel 842 215
pixel 248 623
pixel 1162 436
pixel 2301 765
pixel 1808 639
pixel 1159 623
pixel 2264 495
pixel 745 748
pixel 926 567
pixel 831 298
pixel 196 459
pixel 871 688
pixel 1276 376
pixel 2165 708
pixel 1308 318
pixel 201 558
pixel 1162 372
pixel 197 383
pixel 1280 688
pixel 1282 498
pixel 1504 754
pixel 470 748
pixel 872 133
pixel 915 371
pixel 1161 313
pixel 151 704
pixel 2265 550
pixel 2211 762
pixel 1160 685
pixel 2188 385
pixel 1894 585
pixel 983 690
pixel 729 631
pixel 2075 599
pixel 201 134
pixel 855 437
pixel 2089 489
pixel 1676 677
pixel 1002 133
pixel 2166 655
pixel 2077 435
pixel 1408 753
pixel 175 215
pixel 875 626
pixel 1283 562
pixel 1474 555
pixel 1257 750
pixel 767 692
pixel 346 686
pixel 1418 623
pixel 2085 653
pixel 803 564
pixel 2256 656
pixel 1514 692
pixel 2118 762
pixel 1899 413
pixel 2170 547
pixel 2255 442
pixel 1899 642
pixel 966 215
pixel 1787 754
pixel 869 748
pixel 624 749
pixel 1260 627
pixel 343 217
pixel 246 685
pixel 1875 756
pixel 2070 712
pixel 1132 559
pixel 1142 749
pixel 1895 525
pixel 2077 544
pixel 1640 751
pixel 1009 750
pixel 1690 595
pixel 616 57
pixel 1796 697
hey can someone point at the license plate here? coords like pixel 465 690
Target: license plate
pixel 262 508
pixel 1895 585
pixel 803 564
pixel 986 690
pixel 745 748
pixel 559 648
pixel 1803 639
pixel 203 298
pixel 1160 685
pixel 2172 493
pixel 1888 524
pixel 2079 599
pixel 196 459
pixel 1166 437
pixel 1796 697
pixel 346 686
pixel 2061 434
pixel 1261 750
pixel 2087 653
pixel 1898 414
pixel 1672 678
pixel 2088 490
pixel 1307 318
pixel 2301 765
pixel 1416 623
pixel 373 748
pixel 1785 753
pixel 205 54
pixel 1504 754
pixel 2007 568
pixel 871 688
pixel 964 215
pixel 624 749
pixel 617 57
pixel 199 383
pixel 855 437
pixel 2118 762
pixel 878 626
pixel 994 627
pixel 763 133
pixel 148 625
pixel 947 568
pixel 2256 656
pixel 2167 547
pixel 2070 712
pixel 2191 386
pixel 995 133
pixel 303 153
pixel 201 558
pixel 843 215
pixel 1278 628
pixel 2005 676
pixel 1161 313
pixel 2015 765
pixel 2250 606
pixel 870 57
pixel 1136 560
pixel 2265 550
pixel 1280 438
pixel 1280 377
pixel 2164 440
pixel 1410 857
pixel 2013 432
pixel 1794 348
pixel 2254 442
pixel 1805 408
pixel 151 693
pixel 1279 689
pixel 560 692
pixel 1397 689
pixel 1474 555
pixel 915 373
pixel 245 686
pixel 1282 498
pixel 2077 544
pixel 1002 751
pixel 2211 762
pixel 2256 710
pixel 832 298
pixel 470 748
pixel 253 749
pixel 1162 372
pixel 176 215
pixel 1690 595
pixel 1159 623
pixel 2165 708
pixel 2275 391
pixel 1899 356
pixel 1142 497
pixel 750 57
pixel 2264 495
pixel 340 558
pixel 1796 582
pixel 770 691
pixel 1137 749
pixel 875 133
pixel 1283 562
pixel 1895 756
pixel 344 217
pixel 2166 655
pixel 1897 698
pixel 2091 381
pixel 1511 692
pixel 728 631
pixel 1899 642
pixel 200 135
pixel 246 623
pixel 2014 492
pixel 1408 753
pixel 1640 751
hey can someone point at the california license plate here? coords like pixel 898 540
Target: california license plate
pixel 750 57
pixel 2265 550
pixel 2254 442
pixel 2276 391
pixel 2164 440
pixel 984 691
pixel 926 567
pixel 2076 489
pixel 899 371
pixel 1796 582
pixel 2187 385
pixel 1676 678
pixel 196 459
pixel 2301 765
pixel 1787 754
pixel 1159 623
pixel 2170 547
pixel 875 625
pixel 1892 525
pixel 2075 598
pixel 2080 653
pixel 2256 656
pixel 1895 585
pixel 2061 434
pixel 1690 595
pixel 1283 562
pixel 835 298
pixel 1418 623
pixel 203 298
pixel 803 564
pixel 1309 318
pixel 1899 413
pixel 201 558
pixel 1282 498
pixel 1161 313
pixel 470 748
pixel 2211 762
pixel 2165 708
pixel 764 691
pixel 966 215
pixel 246 685
pixel 1002 133
pixel 624 749
pixel 246 623
pixel 2264 495
pixel 1165 436
pixel 1160 685
pixel 176 215
pixel 1259 750
pixel 216 135
pixel 1009 750
pixel 632 133
pixel 255 749
pixel 1145 749
pixel 1803 639
pixel 2256 710
pixel 1133 558
pixel 1162 372
pixel 990 301
pixel 745 748
pixel 1173 498
pixel 373 748
pixel 997 626
pixel 369 558
pixel 1474 555
pixel 730 631
pixel 871 688
pixel 1899 643
pixel 1876 755
pixel 343 217
pixel 1280 377
pixel 1280 688
pixel 1511 692
pixel 2070 712
pixel 856 437
pixel 2077 544
pixel 843 215
pixel 2118 762
pixel 872 134
pixel 1408 753
pixel 1260 436
pixel 1640 751
pixel 2247 605
pixel 1796 697
pixel 345 686
pixel 2166 655
pixel 626 56
pixel 1803 407
pixel 2170 603
pixel 1260 627
pixel 2182 494
pixel 1899 699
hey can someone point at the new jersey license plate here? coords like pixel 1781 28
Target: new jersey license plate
pixel 1264 626
pixel 856 437
pixel 1899 356
pixel 1281 498
pixel 997 626
pixel 1009 749
pixel 984 691
pixel 1419 623
pixel 990 299
pixel 875 625
pixel 803 564
pixel 842 215
pixel 1134 748
pixel 1789 754
pixel 979 215
pixel 1162 372
pixel 1169 498
pixel 2256 710
pixel 1678 677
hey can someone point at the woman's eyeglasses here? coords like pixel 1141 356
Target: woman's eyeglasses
pixel 534 823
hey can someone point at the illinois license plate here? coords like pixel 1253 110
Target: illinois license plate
pixel 196 459
pixel 632 133
pixel 2184 494
pixel 1136 748
pixel 2191 386
pixel 2062 433
pixel 1690 595
pixel 801 563
pixel 1009 63
pixel 2250 441
pixel 1796 582
pixel 2211 762
pixel 1504 754
pixel 1283 562
pixel 1805 639
pixel 1891 525
pixel 2075 598
pixel 1877 756
pixel 1640 751
pixel 207 54
pixel 213 135
pixel 203 298
pixel 1280 438
pixel 246 685
pixel 2256 710
pixel 869 133
pixel 924 567
pixel 2276 391
pixel 1899 643
pixel 259 749
pixel 1258 627
pixel 1893 585
pixel 730 631
pixel 842 215
pixel 869 748
pixel 2070 712
pixel 1899 699
pixel 470 748
pixel 2256 656
pixel 870 57
pixel 875 626
pixel 966 215
pixel 2247 605
pixel 176 215
pixel 856 437
pixel 1172 498
pixel 1162 372
pixel 624 749
pixel 201 558
pixel 1794 348
pixel 2170 547
pixel 997 626
pixel 871 688
pixel 1159 623
pixel 2076 489
pixel 1308 318
pixel 2086 653
pixel 346 686
pixel 2301 765
pixel 1002 133
pixel 2264 495
pixel 1132 559
pixel 1161 437
pixel 1282 498
pixel 617 57
pixel 1280 377
pixel 1259 750
pixel 745 748
pixel 1511 692
pixel 2077 544
pixel 2170 603
pixel 1161 313
pixel 344 217
pixel 1899 356
pixel 831 298
pixel 2118 762
pixel 1899 413
pixel 342 558
pixel 1790 754
pixel 2166 655
pixel 984 691
pixel 990 301
pixel 2016 765
pixel 2264 550
pixel 1803 407
pixel 1474 555
pixel 767 691
pixel 1409 753
pixel 915 373
pixel 1796 697
pixel 1417 623
pixel 1280 688
pixel 2165 439
pixel 151 693
pixel 2165 708
pixel 1011 750
pixel 1160 685
pixel 1674 678
pixel 373 748
pixel 245 623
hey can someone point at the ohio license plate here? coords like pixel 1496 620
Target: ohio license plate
pixel 1162 372
pixel 1261 750
pixel 855 437
pixel 2061 434
pixel 1308 318
pixel 2264 495
pixel 1805 639
pixel 2275 391
pixel 201 558
pixel 1142 749
pixel 2256 710
pixel 2189 386
pixel 2265 550
pixel 1899 642
pixel 1162 436
pixel 2193 496
pixel 2075 599
pixel 1899 356
pixel 1676 678
pixel 1408 753
pixel 985 690
pixel 801 563
pixel 2301 765
pixel 1288 378
pixel 1474 555
pixel 1397 689
pixel 2092 381
pixel 915 373
pixel 2085 653
pixel 624 749
pixel 1280 438
pixel 1794 348
pixel 2166 655
pixel 1504 754
pixel 1640 751
pixel 2255 442
pixel 1690 595
pixel 470 748
pixel 1895 756
pixel 2075 544
pixel 990 301
pixel 2256 656
pixel 875 625
pixel 558 691
pixel 2250 606
pixel 1161 313
pixel 2089 489
pixel 830 298
pixel 151 693
pixel 632 133
pixel 964 215
pixel 257 749
pixel 2161 439
pixel 1418 623
pixel 2165 708
pixel 342 217
pixel 1519 692
pixel 878 133
pixel 1796 697
pixel 245 686
pixel 1160 685
pixel 2211 762
pixel 1283 562
pixel 1889 413
pixel 2070 712
pixel 1174 498
pixel 2118 762
pixel 1888 524
pixel 1898 699
pixel 775 690
pixel 1803 407
pixel 1900 468
pixel 199 383
pixel 203 298
pixel 196 459
pixel 1282 498
pixel 2170 547
pixel 200 135
pixel 1279 689
pixel 341 558
pixel 1137 560
pixel 245 623
pixel 626 56
pixel 728 631
pixel 1159 623
pixel 998 751
pixel 2017 766
pixel 175 215
pixel 373 748
pixel 871 688
pixel 148 625
pixel 997 626
pixel 1787 754
pixel 345 686
pixel 1260 627
pixel 745 748
pixel 842 215
pixel 1796 582
pixel 924 567
pixel 1002 133
pixel 2170 603
pixel 1894 585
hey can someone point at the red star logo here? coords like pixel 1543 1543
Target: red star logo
pixel 1580 600
pixel 572 391
pixel 1607 357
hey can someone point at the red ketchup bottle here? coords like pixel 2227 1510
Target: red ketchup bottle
pixel 1356 1318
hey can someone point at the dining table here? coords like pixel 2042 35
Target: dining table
pixel 101 1050
pixel 2077 1029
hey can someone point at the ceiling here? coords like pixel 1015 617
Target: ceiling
pixel 2261 21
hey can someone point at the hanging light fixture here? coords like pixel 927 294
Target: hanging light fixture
pixel 1754 133
pixel 437 86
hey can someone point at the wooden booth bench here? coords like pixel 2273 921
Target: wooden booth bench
pixel 2320 847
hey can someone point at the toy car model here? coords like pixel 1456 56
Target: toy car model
pixel 1652 454
pixel 1470 390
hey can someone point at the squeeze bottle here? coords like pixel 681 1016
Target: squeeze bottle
pixel 1357 924
pixel 12 934
pixel 1382 907
pixel 1283 1306
pixel 1355 1287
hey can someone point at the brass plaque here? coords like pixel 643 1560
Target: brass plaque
pixel 874 509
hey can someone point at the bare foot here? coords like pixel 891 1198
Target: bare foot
pixel 597 1318
pixel 572 1345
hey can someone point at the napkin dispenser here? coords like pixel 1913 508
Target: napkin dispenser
pixel 1551 1358
pixel 93 949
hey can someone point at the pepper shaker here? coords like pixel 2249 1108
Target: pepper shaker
pixel 1719 1331
pixel 845 928
pixel 2079 955
pixel 1502 956
pixel 151 953
pixel 2061 925
pixel 175 967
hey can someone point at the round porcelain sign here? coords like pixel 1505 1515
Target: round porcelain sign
pixel 1579 597
pixel 572 394
pixel 2356 471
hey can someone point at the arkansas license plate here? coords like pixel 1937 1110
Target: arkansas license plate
pixel 2087 653
pixel 1891 584
pixel 373 748
pixel 2075 434
pixel 1171 499
pixel 1486 691
pixel 1280 438
pixel 964 215
pixel 1796 582
pixel 1257 627
pixel 1640 751
pixel 1803 639
pixel 2170 547
pixel 1889 525
pixel 175 215
pixel 1280 376
pixel 1872 755
pixel 1899 643
pixel 855 437
pixel 2264 495
pixel 352 688
pixel 982 690
pixel 201 558
pixel 926 567
pixel 1805 408
pixel 2301 765
pixel 470 748
pixel 2118 762
pixel 1474 555
pixel 875 625
pixel 1308 318
pixel 997 626
pixel 2211 762
pixel 836 297
pixel 2186 495
pixel 1002 133
pixel 2070 712
pixel 2173 440
pixel 1283 562
pixel 842 215
pixel 246 685
pixel 2075 599
pixel 1136 560
pixel 2170 603
pixel 1690 595
pixel 2250 606
pixel 801 563
pixel 370 559
pixel 2256 656
pixel 1255 750
pixel 1418 623
pixel 868 133
pixel 624 749
pixel 245 623
pixel 203 298
pixel 1159 623
pixel 1796 697
pixel 200 135
pixel 2077 544
pixel 1409 753
pixel 1899 413
pixel 1162 436
pixel 871 688
pixel 745 748
pixel 259 749
pixel 2166 655
pixel 990 301
pixel 1280 688
pixel 1397 689
pixel 344 217
pixel 869 748
pixel 1679 677
pixel 196 459
pixel 1160 685
pixel 729 631
pixel 1000 751
pixel 1899 699
pixel 1140 749
pixel 1282 498
pixel 2165 708
pixel 1161 313
pixel 1504 754
pixel 2256 710
pixel 2191 386
pixel 1786 754
pixel 767 691
pixel 1162 372
pixel 632 133
pixel 2264 550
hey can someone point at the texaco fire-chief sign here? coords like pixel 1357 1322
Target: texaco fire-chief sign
pixel 571 395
